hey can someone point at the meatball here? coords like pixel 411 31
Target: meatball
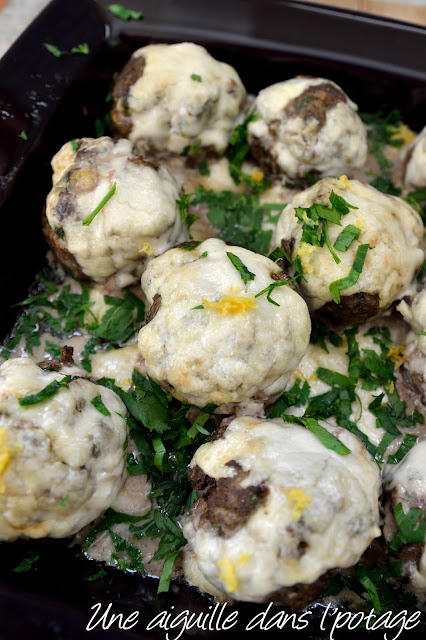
pixel 278 509
pixel 61 460
pixel 209 339
pixel 170 96
pixel 140 218
pixel 405 484
pixel 307 124
pixel 390 227
pixel 414 159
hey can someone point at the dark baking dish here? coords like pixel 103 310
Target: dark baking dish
pixel 378 62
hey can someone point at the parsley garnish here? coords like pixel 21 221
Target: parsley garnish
pixel 352 278
pixel 346 237
pixel 320 332
pixel 239 217
pixel 203 168
pixel 315 219
pixel 405 446
pixel 385 184
pixel 196 77
pixel 50 390
pixel 52 349
pixel 99 405
pixel 54 50
pixel 110 518
pixel 166 572
pixel 297 396
pixel 27 563
pixel 120 322
pixel 125 547
pixel 102 203
pixel 237 152
pixel 326 438
pixel 74 144
pixel 183 204
pixel 371 586
pixel 408 532
pixel 23 135
pixel 245 274
pixel 271 287
pixel 81 48
pixel 121 12
pixel 193 149
pixel 189 246
pixel 89 348
pixel 96 576
pixel 166 442
pixel 381 133
pixel 147 402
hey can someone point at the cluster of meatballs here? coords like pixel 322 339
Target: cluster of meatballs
pixel 277 511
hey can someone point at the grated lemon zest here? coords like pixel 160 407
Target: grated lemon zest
pixel 299 500
pixel 232 304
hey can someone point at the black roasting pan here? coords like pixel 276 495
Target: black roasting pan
pixel 380 63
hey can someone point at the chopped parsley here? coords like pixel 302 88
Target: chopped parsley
pixel 382 131
pixel 238 149
pixel 196 77
pixel 271 288
pixel 23 135
pixel 98 207
pixel 193 149
pixel 320 332
pixel 64 312
pixel 405 446
pixel 52 349
pixel 110 517
pixel 325 437
pixel 185 216
pixel 369 370
pixel 315 219
pixel 297 396
pixel 422 273
pixel 372 586
pixel 166 442
pixel 245 274
pixel 346 237
pixel 99 405
pixel 48 392
pixel 96 576
pixel 239 217
pixel 385 184
pixel 189 246
pixel 120 322
pixel 352 278
pixel 81 48
pixel 27 563
pixel 134 561
pixel 203 168
pixel 411 527
pixel 74 144
pixel 121 12
pixel 89 349
pixel 54 50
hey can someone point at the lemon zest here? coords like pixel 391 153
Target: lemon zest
pixel 299 501
pixel 232 304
